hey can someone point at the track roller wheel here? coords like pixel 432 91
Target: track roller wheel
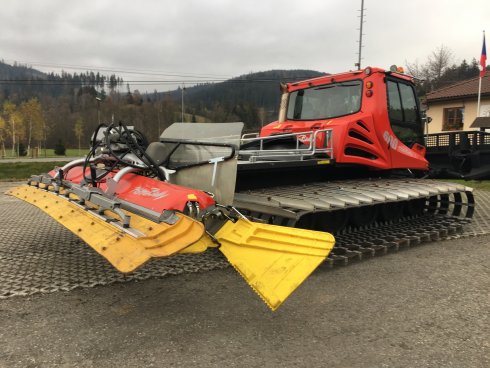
pixel 332 222
pixel 391 211
pixel 306 222
pixel 415 207
pixel 363 216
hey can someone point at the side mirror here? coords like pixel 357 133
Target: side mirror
pixel 425 119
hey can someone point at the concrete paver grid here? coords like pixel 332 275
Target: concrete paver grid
pixel 37 255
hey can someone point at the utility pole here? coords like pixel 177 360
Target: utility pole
pixel 159 113
pixel 98 108
pixel 358 64
pixel 183 89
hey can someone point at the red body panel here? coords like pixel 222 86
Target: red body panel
pixel 153 194
pixel 368 130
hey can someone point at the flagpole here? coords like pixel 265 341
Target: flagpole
pixel 482 73
pixel 479 95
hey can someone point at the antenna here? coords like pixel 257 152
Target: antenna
pixel 358 64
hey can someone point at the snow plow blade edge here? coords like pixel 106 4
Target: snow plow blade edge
pixel 124 251
pixel 274 260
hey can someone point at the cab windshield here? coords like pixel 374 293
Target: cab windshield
pixel 324 102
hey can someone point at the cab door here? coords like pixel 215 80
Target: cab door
pixel 406 139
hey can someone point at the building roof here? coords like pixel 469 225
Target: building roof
pixel 464 89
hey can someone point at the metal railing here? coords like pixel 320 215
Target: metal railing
pixel 305 146
pixel 472 139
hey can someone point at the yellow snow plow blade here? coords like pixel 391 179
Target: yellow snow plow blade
pixel 124 250
pixel 274 260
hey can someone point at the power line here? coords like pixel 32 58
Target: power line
pixel 177 78
pixel 119 70
pixel 142 82
pixel 195 77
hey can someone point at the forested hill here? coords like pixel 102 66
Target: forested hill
pixel 22 82
pixel 260 89
pixel 16 71
pixel 64 101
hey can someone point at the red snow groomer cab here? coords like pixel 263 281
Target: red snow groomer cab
pixel 373 115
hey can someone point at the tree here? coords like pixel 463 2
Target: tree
pixel 129 95
pixel 430 73
pixel 78 129
pixel 113 82
pixel 439 61
pixel 3 134
pixel 435 65
pixel 59 148
pixel 33 115
pixel 14 124
pixel 438 71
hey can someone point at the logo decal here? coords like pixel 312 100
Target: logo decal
pixel 154 193
pixel 304 138
pixel 393 143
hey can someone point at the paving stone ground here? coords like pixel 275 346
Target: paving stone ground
pixel 37 255
pixel 426 306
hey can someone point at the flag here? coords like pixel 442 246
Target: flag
pixel 483 59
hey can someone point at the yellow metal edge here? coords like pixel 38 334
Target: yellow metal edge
pixel 125 252
pixel 270 263
pixel 200 246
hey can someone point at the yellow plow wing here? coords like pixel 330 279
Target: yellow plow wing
pixel 124 251
pixel 274 260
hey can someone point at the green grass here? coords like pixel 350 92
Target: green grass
pixel 475 184
pixel 70 152
pixel 49 152
pixel 23 170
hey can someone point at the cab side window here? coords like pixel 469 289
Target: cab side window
pixel 403 112
pixel 394 103
pixel 409 103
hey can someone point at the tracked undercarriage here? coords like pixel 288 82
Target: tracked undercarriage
pixel 336 206
pixel 358 212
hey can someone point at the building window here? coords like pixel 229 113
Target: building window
pixel 453 118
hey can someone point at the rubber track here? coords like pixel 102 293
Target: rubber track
pixel 287 204
pixel 448 208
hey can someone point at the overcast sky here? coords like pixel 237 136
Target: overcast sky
pixel 226 38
